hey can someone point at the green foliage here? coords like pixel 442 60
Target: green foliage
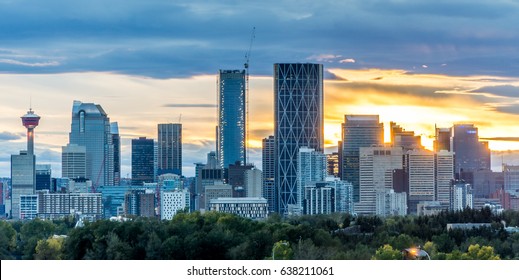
pixel 282 251
pixel 7 240
pixel 387 252
pixel 50 249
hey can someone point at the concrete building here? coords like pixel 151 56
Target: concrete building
pixel 462 196
pixel 444 176
pixel 253 183
pixel 376 174
pixel 236 178
pixel 421 170
pixel 511 176
pixel 470 153
pixel 172 202
pixel 140 203
pixel 28 206
pixel 391 203
pixel 405 139
pixel 218 190
pixel 298 122
pixel 255 208
pixel 23 180
pixel 442 140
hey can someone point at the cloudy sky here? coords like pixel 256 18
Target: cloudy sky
pixel 416 62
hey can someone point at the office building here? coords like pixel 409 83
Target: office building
pixel 231 130
pixel 298 122
pixel 376 166
pixel 207 174
pixel 442 139
pixel 391 203
pixel 254 208
pixel 140 203
pixel 469 153
pixel 43 177
pixel 28 206
pixel 343 194
pixel 421 170
pixel 358 131
pixel 59 205
pixel 268 164
pixel 169 148
pixel 73 161
pixel 253 183
pixel 236 178
pixel 142 161
pixel 405 139
pixel 217 190
pixel 91 129
pixel 116 141
pixel 444 176
pixel 511 176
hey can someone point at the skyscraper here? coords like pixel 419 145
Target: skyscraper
pixel 170 148
pixel 73 161
pixel 268 159
pixel 90 128
pixel 142 161
pixel 442 139
pixel 444 176
pixel 311 167
pixel 298 122
pixel 421 169
pixel 231 131
pixel 469 153
pixel 116 140
pixel 23 166
pixel 43 177
pixel 358 131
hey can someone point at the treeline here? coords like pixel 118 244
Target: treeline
pixel 220 236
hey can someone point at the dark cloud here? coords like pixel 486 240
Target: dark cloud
pixel 8 136
pixel 508 109
pixel 511 139
pixel 162 39
pixel 195 105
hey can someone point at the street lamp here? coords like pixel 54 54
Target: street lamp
pixel 414 253
pixel 277 244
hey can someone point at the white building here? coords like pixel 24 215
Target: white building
pixel 444 176
pixel 173 201
pixel 255 208
pixel 462 197
pixel 28 206
pixel 343 194
pixel 376 165
pixel 421 169
pixel 59 205
pixel 73 161
pixel 390 203
pixel 319 199
pixel 311 167
pixel 253 183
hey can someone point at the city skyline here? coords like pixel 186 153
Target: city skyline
pixel 462 70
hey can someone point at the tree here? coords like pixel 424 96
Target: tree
pixel 477 252
pixel 7 240
pixel 387 252
pixel 282 251
pixel 50 249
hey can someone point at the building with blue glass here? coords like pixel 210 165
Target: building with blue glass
pixel 298 122
pixel 231 131
pixel 142 161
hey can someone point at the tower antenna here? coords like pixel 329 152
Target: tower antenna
pixel 246 66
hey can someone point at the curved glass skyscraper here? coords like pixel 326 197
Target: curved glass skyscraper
pixel 231 117
pixel 298 122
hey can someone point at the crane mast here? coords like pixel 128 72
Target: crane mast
pixel 246 66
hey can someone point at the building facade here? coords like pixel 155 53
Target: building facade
pixel 255 208
pixel 268 164
pixel 142 161
pixel 298 122
pixel 311 167
pixel 91 129
pixel 169 148
pixel 231 131
pixel 172 202
pixel 358 131
pixel 73 161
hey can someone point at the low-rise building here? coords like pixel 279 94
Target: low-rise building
pixel 255 208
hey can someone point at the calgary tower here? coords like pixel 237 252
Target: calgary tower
pixel 30 121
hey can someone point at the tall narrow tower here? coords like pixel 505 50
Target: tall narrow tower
pixel 30 121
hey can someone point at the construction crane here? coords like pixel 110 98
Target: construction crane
pixel 246 66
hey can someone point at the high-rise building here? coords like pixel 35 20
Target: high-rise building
pixel 358 131
pixel 462 196
pixel 173 201
pixel 236 178
pixel 405 139
pixel 253 186
pixel 73 161
pixel 170 148
pixel 231 131
pixel 207 174
pixel 319 198
pixel 442 139
pixel 268 160
pixel 469 153
pixel 311 167
pixel 332 164
pixel 444 176
pixel 23 167
pixel 298 122
pixel 90 128
pixel 376 166
pixel 421 170
pixel 511 176
pixel 142 161
pixel 116 140
pixel 139 203
pixel 43 177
